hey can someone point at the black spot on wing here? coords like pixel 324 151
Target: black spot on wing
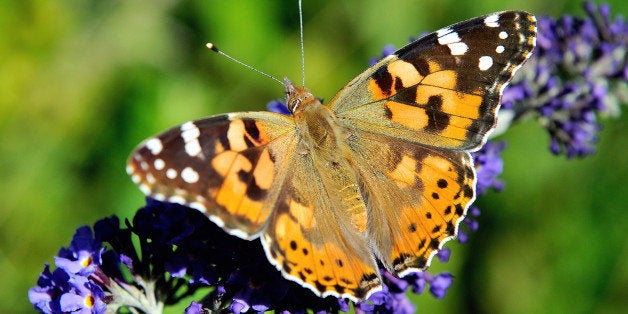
pixel 441 183
pixel 459 210
pixel 340 289
pixel 447 210
pixel 434 244
pixel 437 120
pixel 450 228
pixel 406 95
pixel 384 80
pixel 255 192
pixel 412 227
pixel 421 262
pixel 468 191
pixel 398 85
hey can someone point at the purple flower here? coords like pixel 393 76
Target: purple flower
pixel 82 257
pixel 388 50
pixel 72 286
pixel 194 308
pixel 278 106
pixel 443 255
pixel 50 286
pixel 182 242
pixel 471 224
pixel 83 297
pixel 576 73
pixel 489 165
pixel 440 283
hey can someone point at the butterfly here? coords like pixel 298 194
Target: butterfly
pixel 381 173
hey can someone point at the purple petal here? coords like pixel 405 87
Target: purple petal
pixel 440 283
pixel 194 308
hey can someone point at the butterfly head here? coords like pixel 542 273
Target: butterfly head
pixel 297 98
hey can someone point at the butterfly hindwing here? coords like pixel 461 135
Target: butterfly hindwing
pixel 443 89
pixel 223 165
pixel 427 190
pixel 312 236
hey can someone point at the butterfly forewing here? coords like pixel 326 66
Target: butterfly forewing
pixel 443 89
pixel 225 166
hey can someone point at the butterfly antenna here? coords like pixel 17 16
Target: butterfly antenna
pixel 302 45
pixel 213 48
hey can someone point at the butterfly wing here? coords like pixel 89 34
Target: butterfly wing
pixel 225 166
pixel 412 119
pixel 444 89
pixel 312 237
pixel 417 197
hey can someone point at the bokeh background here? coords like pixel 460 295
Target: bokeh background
pixel 83 82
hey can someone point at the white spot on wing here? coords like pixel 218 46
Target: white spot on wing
pixel 217 221
pixel 239 234
pixel 499 49
pixel 154 145
pixel 198 206
pixel 189 175
pixel 145 189
pixel 159 164
pixel 492 20
pixel 190 134
pixel 503 35
pixel 130 169
pixel 150 178
pixel 458 49
pixel 447 36
pixel 135 178
pixel 486 63
pixel 193 148
pixel 177 199
pixel 171 173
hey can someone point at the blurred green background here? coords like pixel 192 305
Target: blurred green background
pixel 83 82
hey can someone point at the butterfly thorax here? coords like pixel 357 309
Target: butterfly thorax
pixel 323 143
pixel 316 124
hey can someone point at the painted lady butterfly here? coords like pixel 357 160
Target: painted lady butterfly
pixel 382 172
